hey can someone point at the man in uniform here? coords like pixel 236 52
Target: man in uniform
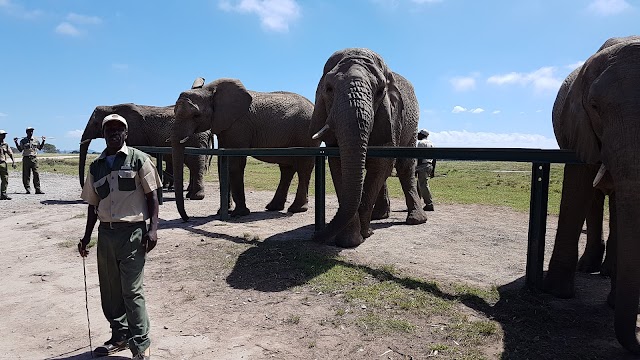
pixel 121 192
pixel 5 151
pixel 425 170
pixel 29 147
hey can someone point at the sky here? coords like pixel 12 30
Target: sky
pixel 486 73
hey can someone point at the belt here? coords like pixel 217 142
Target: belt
pixel 120 224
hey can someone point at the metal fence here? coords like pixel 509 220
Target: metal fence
pixel 541 160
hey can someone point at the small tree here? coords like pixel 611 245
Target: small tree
pixel 49 148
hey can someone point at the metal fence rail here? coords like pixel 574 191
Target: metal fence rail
pixel 541 160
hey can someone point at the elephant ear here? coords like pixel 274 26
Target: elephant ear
pixel 319 116
pixel 575 123
pixel 391 107
pixel 231 100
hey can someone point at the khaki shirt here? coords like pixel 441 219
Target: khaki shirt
pixel 29 146
pixel 118 191
pixel 5 150
pixel 424 143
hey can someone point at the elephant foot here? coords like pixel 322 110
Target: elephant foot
pixel 240 212
pixel 366 233
pixel 275 205
pixel 349 240
pixel 199 195
pixel 591 260
pixel 297 208
pixel 416 216
pixel 559 283
pixel 378 214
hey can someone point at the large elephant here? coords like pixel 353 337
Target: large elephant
pixel 248 119
pixel 360 102
pixel 597 114
pixel 148 126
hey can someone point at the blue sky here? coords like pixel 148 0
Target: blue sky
pixel 486 73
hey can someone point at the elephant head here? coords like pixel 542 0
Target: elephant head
pixel 599 118
pixel 93 130
pixel 356 100
pixel 214 107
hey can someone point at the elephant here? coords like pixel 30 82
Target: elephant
pixel 241 118
pixel 591 260
pixel 148 126
pixel 597 114
pixel 360 102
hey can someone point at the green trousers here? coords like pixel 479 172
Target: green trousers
pixel 4 178
pixel 121 259
pixel 29 165
pixel 423 185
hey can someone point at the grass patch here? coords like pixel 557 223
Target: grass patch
pixel 74 243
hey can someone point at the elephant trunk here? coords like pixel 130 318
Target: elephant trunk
pixel 352 117
pixel 628 270
pixel 177 153
pixel 84 148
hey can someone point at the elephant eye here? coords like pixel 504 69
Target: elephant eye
pixel 380 92
pixel 594 105
pixel 329 89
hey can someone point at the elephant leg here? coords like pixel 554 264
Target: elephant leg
pixel 382 207
pixel 610 258
pixel 196 177
pixel 577 194
pixel 406 174
pixel 280 197
pixel 236 182
pixel 378 169
pixel 350 236
pixel 301 202
pixel 591 259
pixel 230 197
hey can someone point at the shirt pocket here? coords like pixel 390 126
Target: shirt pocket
pixel 102 187
pixel 126 180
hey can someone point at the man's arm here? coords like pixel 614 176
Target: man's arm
pixel 15 140
pixel 41 145
pixel 92 218
pixel 151 238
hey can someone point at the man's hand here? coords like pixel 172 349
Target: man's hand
pixel 82 247
pixel 13 165
pixel 150 240
pixel 15 139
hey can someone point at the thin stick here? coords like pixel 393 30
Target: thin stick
pixel 86 303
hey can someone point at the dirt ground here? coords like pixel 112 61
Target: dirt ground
pixel 215 289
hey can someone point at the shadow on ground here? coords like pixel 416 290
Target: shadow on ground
pixel 535 325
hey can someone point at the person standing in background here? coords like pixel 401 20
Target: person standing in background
pixel 29 147
pixel 425 170
pixel 5 151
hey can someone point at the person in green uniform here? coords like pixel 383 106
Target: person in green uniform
pixel 5 151
pixel 120 189
pixel 29 147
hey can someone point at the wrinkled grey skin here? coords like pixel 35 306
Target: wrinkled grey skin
pixel 591 260
pixel 148 126
pixel 248 119
pixel 597 114
pixel 364 104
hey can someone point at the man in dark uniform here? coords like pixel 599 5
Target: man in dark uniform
pixel 5 151
pixel 121 192
pixel 29 147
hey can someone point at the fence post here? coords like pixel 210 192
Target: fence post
pixel 537 223
pixel 223 174
pixel 161 173
pixel 320 192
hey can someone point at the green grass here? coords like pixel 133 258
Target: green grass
pixel 456 182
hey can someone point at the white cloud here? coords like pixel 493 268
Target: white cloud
pixel 575 65
pixel 19 11
pixel 608 7
pixel 83 19
pixel 491 140
pixel 275 15
pixel 463 83
pixel 65 28
pixel 542 80
pixel 3 114
pixel 496 112
pixel 74 134
pixel 459 109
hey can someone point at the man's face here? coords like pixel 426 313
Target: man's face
pixel 2 136
pixel 29 133
pixel 115 134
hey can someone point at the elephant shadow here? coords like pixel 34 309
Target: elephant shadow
pixel 540 326
pixel 83 356
pixel 534 325
pixel 282 261
pixel 62 202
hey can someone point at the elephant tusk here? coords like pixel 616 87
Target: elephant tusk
pixel 184 140
pixel 599 175
pixel 168 140
pixel 85 141
pixel 322 131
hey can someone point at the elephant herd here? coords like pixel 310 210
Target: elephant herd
pixel 360 102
